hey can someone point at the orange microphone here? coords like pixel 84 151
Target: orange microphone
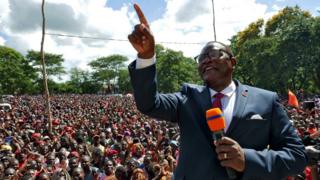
pixel 216 123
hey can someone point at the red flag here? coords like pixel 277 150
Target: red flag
pixel 292 100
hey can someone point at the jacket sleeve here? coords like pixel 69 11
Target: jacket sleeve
pixel 286 154
pixel 147 98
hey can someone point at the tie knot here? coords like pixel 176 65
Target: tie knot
pixel 218 95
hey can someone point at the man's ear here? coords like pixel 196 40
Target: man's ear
pixel 233 62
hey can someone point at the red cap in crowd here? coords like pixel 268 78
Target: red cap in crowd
pixel 74 154
pixel 55 122
pixel 36 135
pixel 111 152
pixel 68 128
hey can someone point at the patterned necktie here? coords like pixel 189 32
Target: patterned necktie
pixel 217 101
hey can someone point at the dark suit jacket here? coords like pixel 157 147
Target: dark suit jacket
pixel 198 159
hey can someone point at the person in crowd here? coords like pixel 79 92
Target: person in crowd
pixel 9 173
pixel 121 173
pixel 78 174
pixel 73 163
pixel 43 176
pixel 109 170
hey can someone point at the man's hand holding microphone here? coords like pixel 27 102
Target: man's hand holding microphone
pixel 229 152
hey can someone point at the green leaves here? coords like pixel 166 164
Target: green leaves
pixel 285 56
pixel 53 63
pixel 107 69
pixel 284 19
pixel 15 73
pixel 174 69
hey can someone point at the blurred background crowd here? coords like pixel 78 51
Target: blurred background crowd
pixel 105 137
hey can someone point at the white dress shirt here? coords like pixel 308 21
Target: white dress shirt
pixel 227 101
pixel 142 63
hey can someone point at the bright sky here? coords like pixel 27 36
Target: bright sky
pixel 186 21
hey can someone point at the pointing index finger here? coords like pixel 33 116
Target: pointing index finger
pixel 140 14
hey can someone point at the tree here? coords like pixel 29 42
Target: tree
pixel 81 82
pixel 76 80
pixel 296 54
pixel 106 69
pixel 53 66
pixel 53 63
pixel 253 31
pixel 244 43
pixel 284 19
pixel 256 62
pixel 173 69
pixel 284 57
pixel 16 75
pixel 124 81
pixel 315 36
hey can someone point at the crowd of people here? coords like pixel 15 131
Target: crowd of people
pixel 306 119
pixel 104 137
pixel 94 137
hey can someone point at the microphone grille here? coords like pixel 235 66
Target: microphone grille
pixel 215 119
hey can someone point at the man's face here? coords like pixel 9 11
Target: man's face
pixel 9 173
pixel 44 176
pixel 61 175
pixel 96 140
pixel 73 163
pixel 78 174
pixel 44 149
pixel 139 152
pixel 64 142
pixel 74 145
pixel 51 160
pixel 109 134
pixel 85 162
pixel 147 160
pixel 124 145
pixel 215 66
pixel 14 163
pixel 109 168
pixel 6 162
pixel 39 163
pixel 130 166
pixel 30 172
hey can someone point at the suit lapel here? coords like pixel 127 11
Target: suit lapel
pixel 203 103
pixel 241 101
pixel 206 103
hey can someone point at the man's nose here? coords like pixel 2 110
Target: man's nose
pixel 207 60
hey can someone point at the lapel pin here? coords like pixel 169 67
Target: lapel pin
pixel 245 93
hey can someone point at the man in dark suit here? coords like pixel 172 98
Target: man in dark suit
pixel 260 141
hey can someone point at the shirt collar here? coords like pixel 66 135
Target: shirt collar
pixel 228 91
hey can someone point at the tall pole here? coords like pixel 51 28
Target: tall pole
pixel 44 71
pixel 214 21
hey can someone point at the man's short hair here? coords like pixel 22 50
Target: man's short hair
pixel 220 46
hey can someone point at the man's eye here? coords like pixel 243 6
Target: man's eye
pixel 202 56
